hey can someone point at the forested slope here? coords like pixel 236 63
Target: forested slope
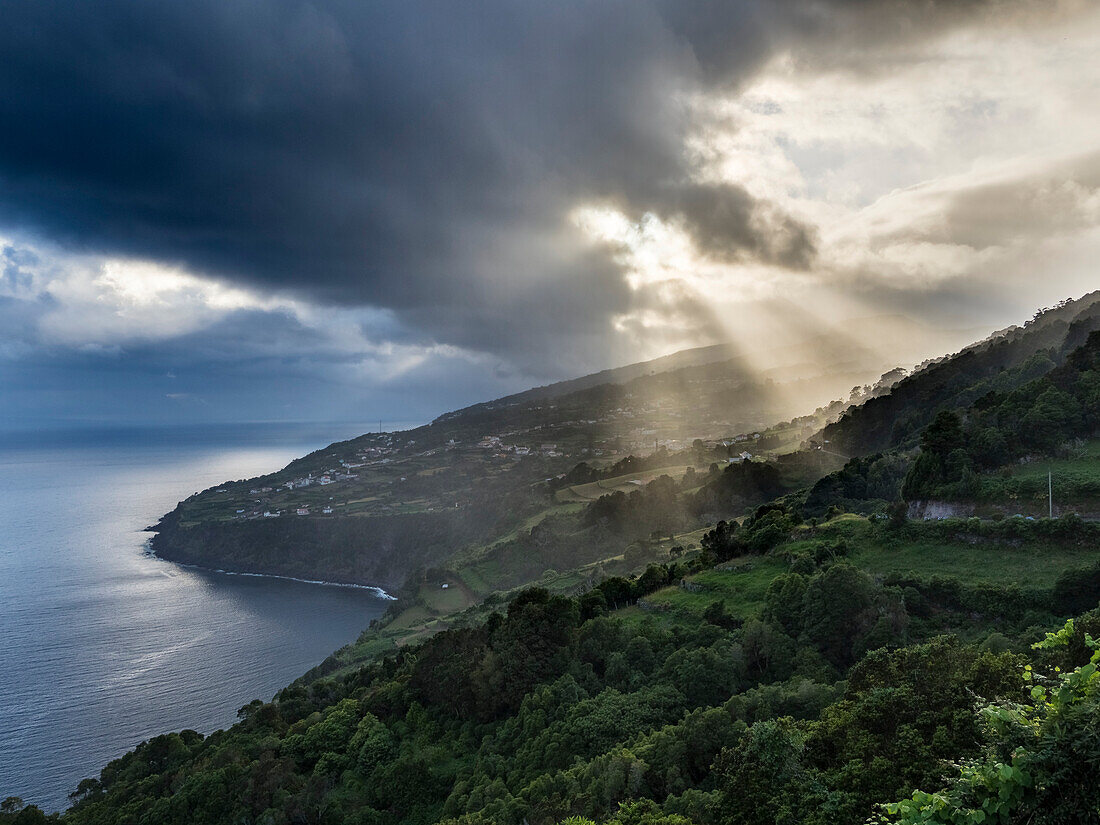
pixel 796 664
pixel 993 455
pixel 782 667
pixel 999 364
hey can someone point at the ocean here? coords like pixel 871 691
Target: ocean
pixel 103 645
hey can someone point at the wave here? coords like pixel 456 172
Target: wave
pixel 378 591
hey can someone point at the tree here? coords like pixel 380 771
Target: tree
pixel 783 602
pixel 1039 761
pixel 13 811
pixel 898 511
pixel 837 610
pixel 763 780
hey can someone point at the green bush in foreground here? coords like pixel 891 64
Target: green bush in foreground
pixel 1040 762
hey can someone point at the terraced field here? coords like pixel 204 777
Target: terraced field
pixel 623 484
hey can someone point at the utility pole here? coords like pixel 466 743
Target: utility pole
pixel 1050 494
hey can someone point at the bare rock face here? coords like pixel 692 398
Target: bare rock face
pixel 938 510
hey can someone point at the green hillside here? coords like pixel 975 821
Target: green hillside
pixel 1001 363
pixel 1021 451
pixel 385 505
pixel 671 693
pixel 686 639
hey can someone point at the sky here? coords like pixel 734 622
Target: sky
pixel 235 210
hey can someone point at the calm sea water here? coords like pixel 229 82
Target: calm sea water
pixel 101 645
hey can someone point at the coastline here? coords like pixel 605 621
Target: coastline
pixel 378 591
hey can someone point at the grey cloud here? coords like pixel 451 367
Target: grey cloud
pixel 1063 198
pixel 1027 205
pixel 293 378
pixel 874 37
pixel 15 277
pixel 729 224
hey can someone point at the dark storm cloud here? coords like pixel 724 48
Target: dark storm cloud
pixel 729 224
pixel 341 150
pixel 420 156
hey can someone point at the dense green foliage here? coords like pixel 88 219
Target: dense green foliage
pixel 1000 364
pixel 966 453
pixel 800 666
pixel 1039 759
pixel 1035 418
pixel 836 695
pixel 862 485
pixel 665 507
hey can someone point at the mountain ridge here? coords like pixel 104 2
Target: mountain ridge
pixel 383 505
pixel 727 353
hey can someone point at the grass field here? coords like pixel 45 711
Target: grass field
pixel 475 552
pixel 438 608
pixel 1035 565
pixel 925 549
pixel 740 584
pixel 692 539
pixel 480 576
pixel 626 483
pixel 479 571
pixel 484 575
pixel 411 617
pixel 1076 481
pixel 788 440
pixel 454 598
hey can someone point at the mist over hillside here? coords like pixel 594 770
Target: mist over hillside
pixel 859 347
pixel 761 478
pixel 675 616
